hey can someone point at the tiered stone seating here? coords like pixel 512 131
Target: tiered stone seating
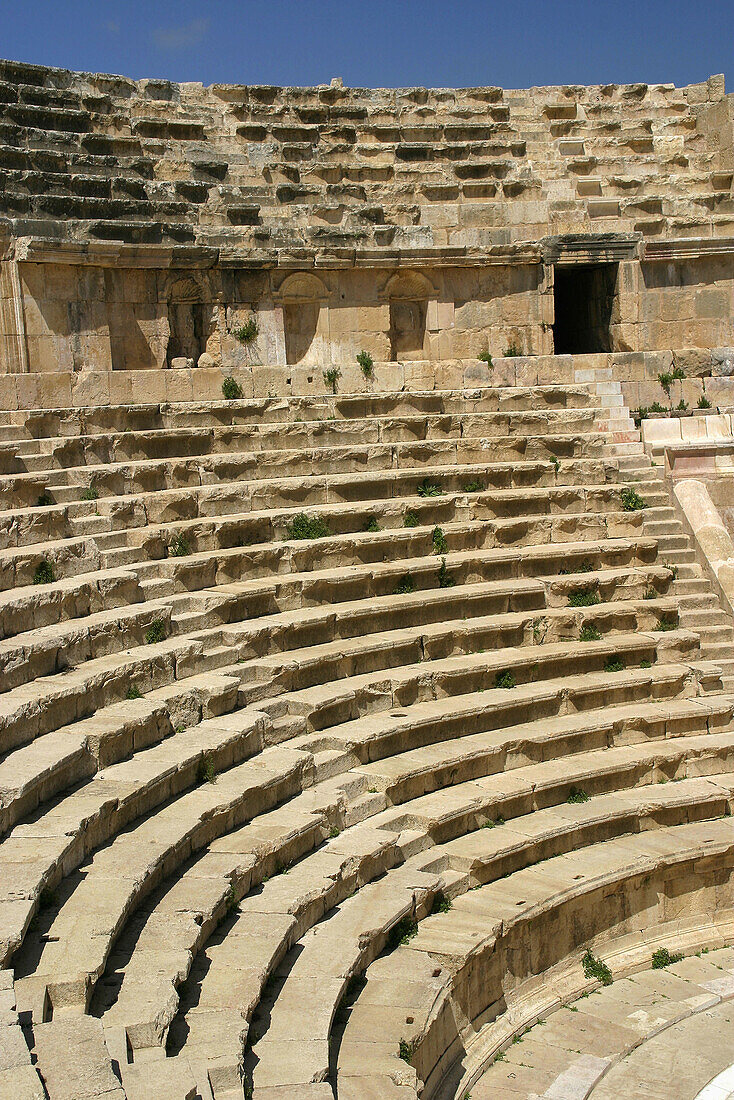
pixel 240 767
pixel 331 168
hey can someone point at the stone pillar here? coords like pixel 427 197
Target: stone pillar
pixel 13 347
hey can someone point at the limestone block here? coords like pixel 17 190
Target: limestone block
pixel 181 363
pixel 91 388
pixel 696 362
pixel 722 360
pixel 271 381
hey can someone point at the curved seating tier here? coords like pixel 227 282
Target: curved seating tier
pixel 297 697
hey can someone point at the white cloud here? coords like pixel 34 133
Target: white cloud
pixel 181 37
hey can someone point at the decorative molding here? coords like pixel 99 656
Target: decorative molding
pixel 590 248
pixel 687 248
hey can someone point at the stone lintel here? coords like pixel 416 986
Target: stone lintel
pixel 687 248
pixel 113 254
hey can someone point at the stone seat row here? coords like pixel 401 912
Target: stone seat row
pixel 40 423
pixel 96 888
pixel 498 931
pixel 342 641
pixel 111 448
pixel 290 914
pixel 65 457
pixel 269 507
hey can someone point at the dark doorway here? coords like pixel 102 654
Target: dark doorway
pixel 583 299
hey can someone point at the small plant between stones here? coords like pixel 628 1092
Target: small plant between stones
pixel 231 389
pixel 156 632
pixel 207 773
pixel 411 519
pixel 596 969
pixel 134 693
pixel 406 1049
pixel 307 527
pixel 44 573
pixel 438 538
pixel 485 357
pixel 662 958
pixel 504 680
pixel 589 633
pixel 179 548
pixel 405 585
pixel 90 493
pixel 584 597
pixel 331 378
pixel 428 488
pixel 248 333
pixel 631 500
pixel 445 579
pixel 577 796
pixel 366 365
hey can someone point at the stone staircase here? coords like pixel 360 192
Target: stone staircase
pixel 320 715
pixel 700 609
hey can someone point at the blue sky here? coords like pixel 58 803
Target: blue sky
pixel 513 43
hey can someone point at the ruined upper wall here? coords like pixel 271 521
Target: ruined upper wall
pixel 331 174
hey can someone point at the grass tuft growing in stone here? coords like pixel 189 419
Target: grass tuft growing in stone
pixel 179 548
pixel 513 350
pixel 44 501
pixel 372 525
pixel 428 488
pixel 445 579
pixel 577 796
pixel 438 538
pixel 134 693
pixel 406 1049
pixel 411 519
pixel 485 357
pixel 504 680
pixel 401 933
pixel 473 487
pixel 366 364
pixel 90 493
pixel 307 527
pixel 441 903
pixel 405 585
pixel 231 389
pixel 666 624
pixel 662 958
pixel 248 333
pixel 595 968
pixel 580 567
pixel 614 664
pixel 44 573
pixel 584 597
pixel 632 501
pixel 331 378
pixel 703 402
pixel 156 632
pixel 589 634
pixel 207 773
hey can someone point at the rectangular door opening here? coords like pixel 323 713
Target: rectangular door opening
pixel 583 298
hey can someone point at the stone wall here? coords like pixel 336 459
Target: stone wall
pixel 142 224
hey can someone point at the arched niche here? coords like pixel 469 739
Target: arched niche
pixel 301 296
pixel 408 294
pixel 189 318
